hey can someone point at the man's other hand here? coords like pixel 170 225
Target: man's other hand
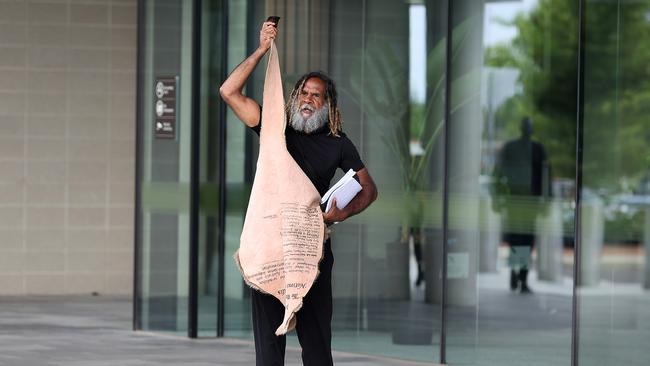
pixel 334 215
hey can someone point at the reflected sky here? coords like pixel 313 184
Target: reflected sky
pixel 494 32
pixel 495 13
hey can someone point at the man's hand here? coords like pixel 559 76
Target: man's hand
pixel 267 34
pixel 359 203
pixel 334 214
pixel 231 90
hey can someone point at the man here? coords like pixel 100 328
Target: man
pixel 316 142
pixel 522 178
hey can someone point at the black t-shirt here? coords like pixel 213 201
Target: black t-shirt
pixel 319 154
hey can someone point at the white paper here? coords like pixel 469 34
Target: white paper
pixel 344 191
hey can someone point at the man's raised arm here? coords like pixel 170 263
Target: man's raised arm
pixel 231 90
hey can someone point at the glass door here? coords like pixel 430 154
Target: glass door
pixel 164 166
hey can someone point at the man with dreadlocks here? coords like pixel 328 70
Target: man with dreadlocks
pixel 315 140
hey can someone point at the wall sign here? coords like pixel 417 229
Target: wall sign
pixel 165 107
pixel 457 265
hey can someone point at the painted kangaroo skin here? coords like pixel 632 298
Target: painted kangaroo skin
pixel 282 239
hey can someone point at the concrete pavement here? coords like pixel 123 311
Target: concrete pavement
pixel 96 331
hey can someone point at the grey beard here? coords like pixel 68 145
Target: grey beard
pixel 308 125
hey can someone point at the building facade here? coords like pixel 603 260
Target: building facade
pixel 67 122
pixel 508 141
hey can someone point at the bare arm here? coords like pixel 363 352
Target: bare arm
pixel 231 90
pixel 359 203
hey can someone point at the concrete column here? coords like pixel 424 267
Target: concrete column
pixel 465 141
pixel 646 241
pixel 593 230
pixel 432 253
pixel 549 244
pixel 490 236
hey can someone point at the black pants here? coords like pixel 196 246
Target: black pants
pixel 314 326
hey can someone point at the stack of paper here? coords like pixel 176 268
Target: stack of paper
pixel 344 191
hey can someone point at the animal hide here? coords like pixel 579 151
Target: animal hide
pixel 282 239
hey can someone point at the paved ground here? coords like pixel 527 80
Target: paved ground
pixel 96 331
pixel 505 329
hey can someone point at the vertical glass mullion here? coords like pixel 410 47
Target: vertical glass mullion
pixel 575 306
pixel 445 196
pixel 137 321
pixel 193 301
pixel 223 138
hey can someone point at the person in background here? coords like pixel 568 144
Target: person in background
pixel 521 177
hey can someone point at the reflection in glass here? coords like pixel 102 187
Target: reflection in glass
pixel 512 118
pixel 393 112
pixel 520 185
pixel 614 283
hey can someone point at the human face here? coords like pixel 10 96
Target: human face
pixel 318 119
pixel 313 94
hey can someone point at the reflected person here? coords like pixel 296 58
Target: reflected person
pixel 521 177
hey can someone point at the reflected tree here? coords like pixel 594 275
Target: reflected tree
pixel 384 96
pixel 545 54
pixel 617 92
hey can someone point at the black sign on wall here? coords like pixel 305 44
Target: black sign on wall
pixel 165 107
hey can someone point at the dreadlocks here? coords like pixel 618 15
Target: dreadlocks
pixel 335 123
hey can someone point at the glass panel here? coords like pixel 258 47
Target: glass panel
pixel 163 235
pixel 614 322
pixel 237 311
pixel 511 169
pixel 210 159
pixel 387 59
